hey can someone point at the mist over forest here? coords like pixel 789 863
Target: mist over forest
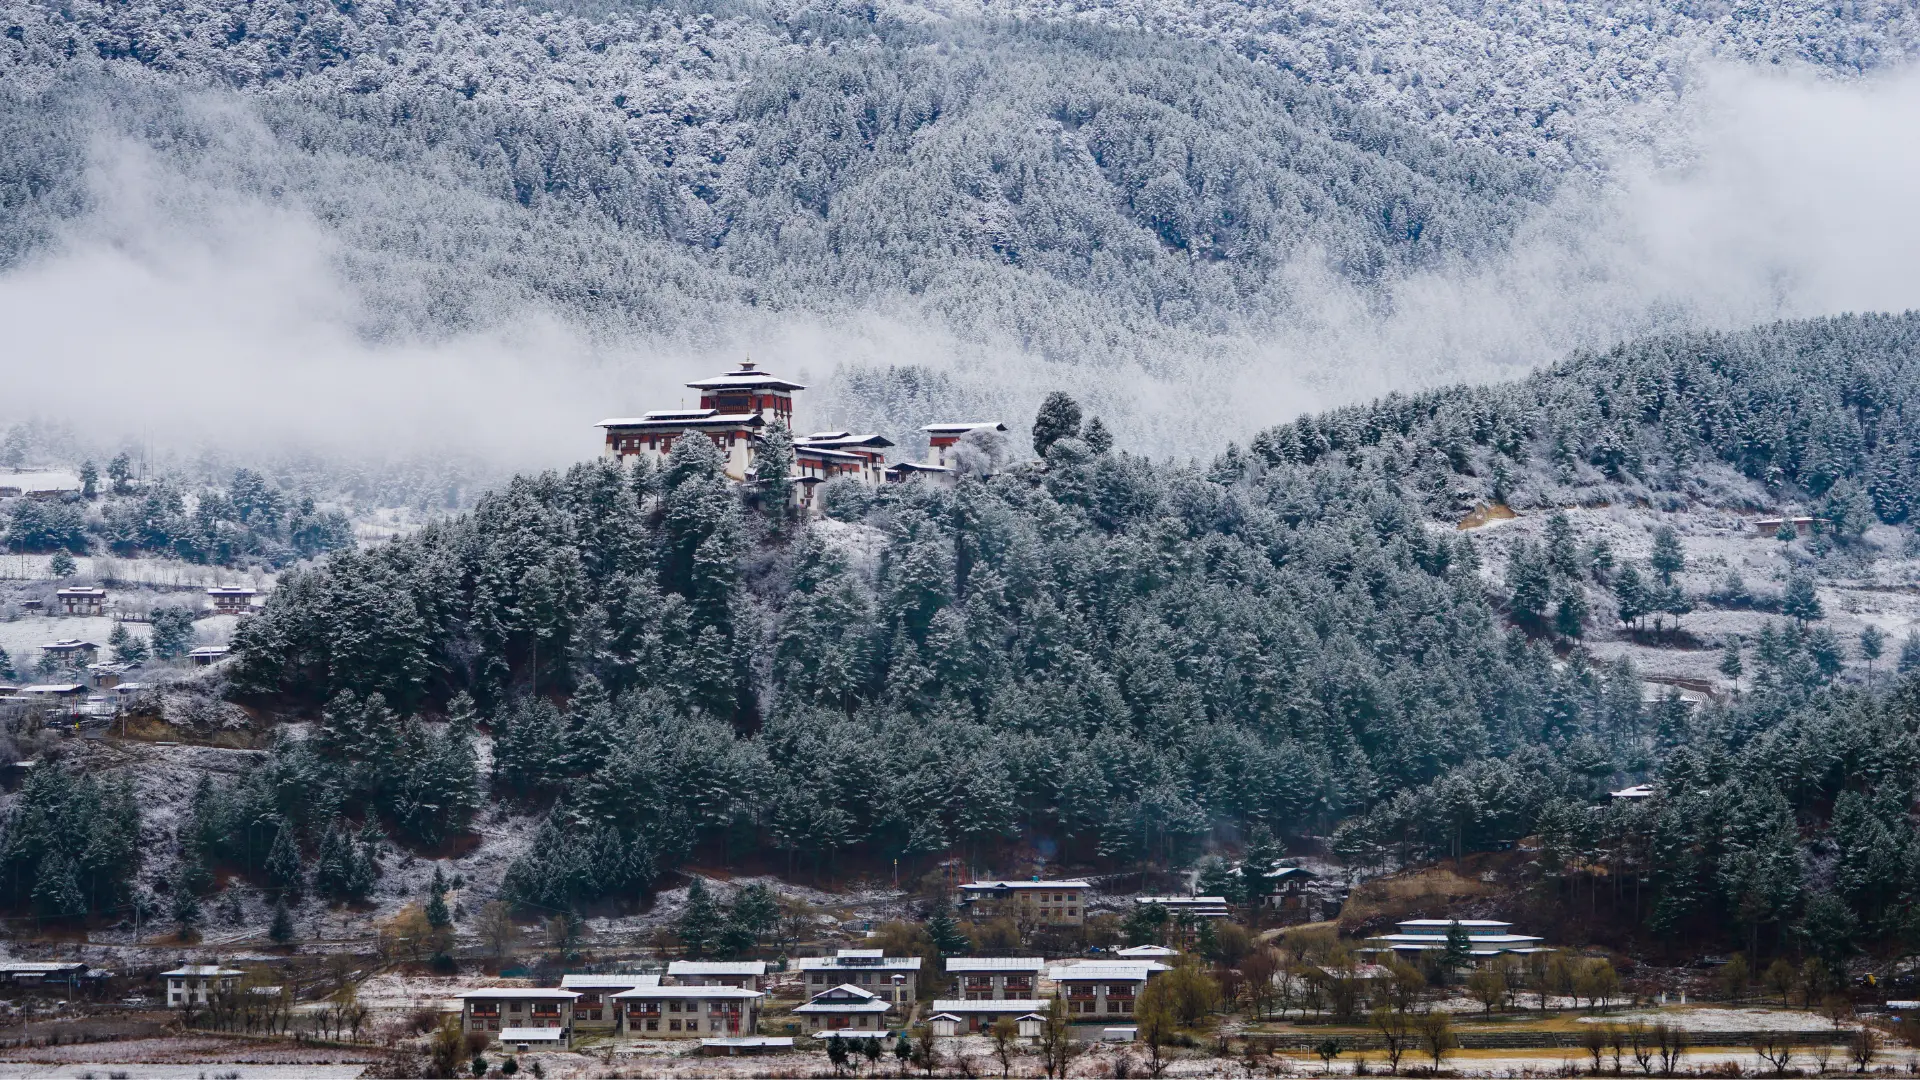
pixel 490 209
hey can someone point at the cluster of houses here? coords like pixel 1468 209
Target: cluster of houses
pixel 82 601
pixel 738 408
pixel 853 994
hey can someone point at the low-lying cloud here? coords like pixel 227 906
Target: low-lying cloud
pixel 225 320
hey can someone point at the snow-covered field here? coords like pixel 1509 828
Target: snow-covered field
pixel 1711 1019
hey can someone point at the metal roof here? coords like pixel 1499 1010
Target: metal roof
pixel 1004 1005
pixel 990 886
pixel 650 993
pixel 519 1035
pixel 1146 950
pixel 698 418
pixel 717 967
pixel 199 971
pixel 857 963
pixel 609 982
pixel 960 964
pixel 1121 970
pixel 964 427
pixel 540 992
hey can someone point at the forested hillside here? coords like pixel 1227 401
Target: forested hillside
pixel 1133 660
pixel 1152 192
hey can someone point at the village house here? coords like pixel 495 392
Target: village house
pixel 975 1016
pixel 208 655
pixel 1287 889
pixel 71 652
pixel 1199 907
pixel 30 973
pixel 82 600
pixel 196 984
pixel 995 978
pixel 1486 938
pixel 594 1009
pixel 1102 989
pixel 1770 527
pixel 844 1008
pixel 1042 903
pixel 231 599
pixel 688 1012
pixel 745 974
pixel 893 979
pixel 496 1010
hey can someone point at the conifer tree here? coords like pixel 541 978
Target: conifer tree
pixel 944 930
pixel 1097 437
pixel 1058 418
pixel 772 469
pixel 284 868
pixel 281 931
pixel 699 924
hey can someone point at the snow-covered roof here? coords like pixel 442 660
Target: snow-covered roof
pixel 39 967
pixel 541 993
pixel 1004 1005
pixel 609 982
pixel 1105 970
pixel 698 993
pixel 994 886
pixel 770 1042
pixel 717 967
pixel 843 438
pixel 917 467
pixel 861 959
pixel 845 998
pixel 962 964
pixel 80 591
pixel 68 645
pixel 1183 901
pixel 1635 791
pixel 963 427
pixel 1141 952
pixel 209 650
pixel 686 419
pixel 230 590
pixel 53 688
pixel 199 971
pixel 529 1035
pixel 746 377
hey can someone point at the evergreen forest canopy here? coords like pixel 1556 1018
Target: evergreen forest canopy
pixel 1135 659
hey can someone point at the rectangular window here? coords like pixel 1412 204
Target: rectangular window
pixel 673 1025
pixel 653 1024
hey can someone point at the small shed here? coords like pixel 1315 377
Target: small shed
pixel 1119 1034
pixel 534 1038
pixel 1031 1025
pixel 945 1025
pixel 206 655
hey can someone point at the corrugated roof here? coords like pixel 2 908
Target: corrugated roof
pixel 1124 971
pixel 1004 1005
pixel 663 993
pixel 960 964
pixel 609 982
pixel 717 967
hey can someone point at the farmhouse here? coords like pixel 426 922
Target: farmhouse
pixel 893 979
pixel 82 600
pixel 497 1009
pixel 27 973
pixel 231 599
pixel 71 651
pixel 196 984
pixel 683 1012
pixel 1045 903
pixel 1101 989
pixel 995 978
pixel 844 1008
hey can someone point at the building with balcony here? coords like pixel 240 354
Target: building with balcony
pixel 974 1016
pixel 1036 902
pixel 688 1012
pixel 496 1009
pixel 196 984
pixel 595 1009
pixel 995 978
pixel 1486 938
pixel 82 600
pixel 893 979
pixel 1102 989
